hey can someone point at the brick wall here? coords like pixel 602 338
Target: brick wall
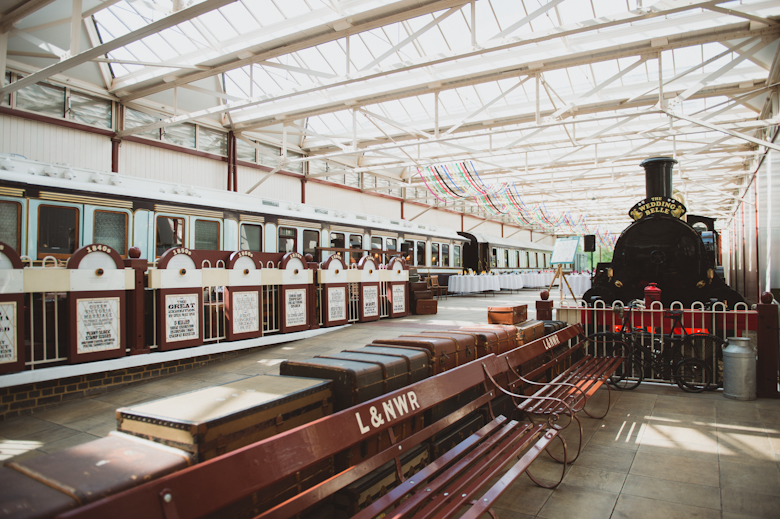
pixel 28 398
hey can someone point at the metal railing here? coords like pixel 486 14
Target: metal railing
pixel 270 303
pixel 354 302
pixel 214 319
pixel 384 301
pixel 47 324
pixel 652 328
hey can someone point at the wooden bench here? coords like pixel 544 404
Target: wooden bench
pixel 566 379
pixel 456 480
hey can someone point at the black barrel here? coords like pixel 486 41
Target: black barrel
pixel 658 176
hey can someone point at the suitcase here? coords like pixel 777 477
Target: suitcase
pixel 468 343
pixel 23 497
pixel 219 419
pixel 103 467
pixel 425 307
pixel 358 495
pixel 507 314
pixel 356 377
pixel 502 337
pixel 442 352
pixel 514 339
pixel 417 361
pixel 483 343
pixel 422 294
pixel 530 330
pixel 453 435
pixel 416 286
pixel 553 326
pixel 398 369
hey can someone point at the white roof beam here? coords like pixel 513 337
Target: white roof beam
pixel 102 50
pixel 527 19
pixel 23 10
pixel 719 128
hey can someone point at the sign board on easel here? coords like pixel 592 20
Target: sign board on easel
pixel 565 250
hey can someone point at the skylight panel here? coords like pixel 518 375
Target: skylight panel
pixel 292 8
pixel 179 41
pixel 332 57
pixel 217 25
pixel 607 7
pixel 487 27
pixel 240 18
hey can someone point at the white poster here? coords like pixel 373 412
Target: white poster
pixel 245 312
pixel 370 301
pixel 337 303
pixel 8 333
pixel 295 307
pixel 97 324
pixel 182 317
pixel 399 299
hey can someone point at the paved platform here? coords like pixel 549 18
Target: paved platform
pixel 659 453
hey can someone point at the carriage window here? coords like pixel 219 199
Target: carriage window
pixel 58 231
pixel 376 242
pixel 170 233
pixel 408 250
pixel 287 239
pixel 356 242
pixel 517 259
pixel 527 259
pixel 10 229
pixel 390 244
pixel 536 259
pixel 494 258
pixel 111 229
pixel 506 258
pixel 456 256
pixel 311 240
pixel 420 253
pixel 251 237
pixel 337 241
pixel 434 254
pixel 206 235
pixel 445 255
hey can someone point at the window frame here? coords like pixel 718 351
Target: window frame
pixel 39 254
pixel 435 260
pixel 195 231
pixel 457 259
pixel 279 238
pixel 251 224
pixel 355 256
pixel 417 253
pixel 19 213
pixel 183 219
pixel 122 252
pixel 317 241
pixel 445 262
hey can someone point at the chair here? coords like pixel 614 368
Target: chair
pixel 437 289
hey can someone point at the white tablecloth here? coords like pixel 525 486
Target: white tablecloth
pixel 511 281
pixel 463 284
pixel 579 283
pixel 538 279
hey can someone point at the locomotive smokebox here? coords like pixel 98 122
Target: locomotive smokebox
pixel 658 176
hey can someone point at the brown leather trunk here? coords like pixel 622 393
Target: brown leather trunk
pixel 502 336
pixel 468 343
pixel 515 340
pixel 507 314
pixel 242 412
pixel 425 307
pixel 23 497
pixel 530 330
pixel 443 353
pixel 103 467
pixel 422 295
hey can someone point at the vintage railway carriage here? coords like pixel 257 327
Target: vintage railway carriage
pixel 485 252
pixel 52 210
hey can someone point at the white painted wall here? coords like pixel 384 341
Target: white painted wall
pixel 278 187
pixel 140 160
pixel 50 143
pixel 331 197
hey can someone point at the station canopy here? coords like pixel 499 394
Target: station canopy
pixel 535 112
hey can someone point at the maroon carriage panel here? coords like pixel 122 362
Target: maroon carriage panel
pixel 335 292
pixel 244 296
pixel 296 279
pixel 11 310
pixel 179 281
pixel 369 289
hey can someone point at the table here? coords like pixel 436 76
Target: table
pixel 466 284
pixel 511 281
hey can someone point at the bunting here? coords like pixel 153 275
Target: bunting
pixel 461 181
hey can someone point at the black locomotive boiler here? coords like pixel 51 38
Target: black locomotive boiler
pixel 659 247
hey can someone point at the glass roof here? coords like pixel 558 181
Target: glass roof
pixel 558 99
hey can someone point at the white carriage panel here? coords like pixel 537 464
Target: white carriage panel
pixel 331 197
pixel 239 278
pixel 278 187
pixel 48 279
pixel 11 280
pixel 215 277
pixel 50 143
pixel 141 160
pixel 230 235
pixel 88 280
pixel 272 277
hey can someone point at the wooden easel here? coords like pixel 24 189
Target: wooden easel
pixel 559 274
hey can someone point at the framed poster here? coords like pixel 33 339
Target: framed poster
pixel 370 301
pixel 399 299
pixel 337 303
pixel 8 350
pixel 295 307
pixel 245 312
pixel 182 322
pixel 97 325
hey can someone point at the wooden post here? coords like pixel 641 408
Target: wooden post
pixel 136 323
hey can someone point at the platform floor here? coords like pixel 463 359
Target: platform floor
pixel 659 453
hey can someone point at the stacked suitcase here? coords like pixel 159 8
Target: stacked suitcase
pixel 423 302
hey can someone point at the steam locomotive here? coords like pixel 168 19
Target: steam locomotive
pixel 659 247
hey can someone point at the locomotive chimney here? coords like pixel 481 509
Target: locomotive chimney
pixel 658 176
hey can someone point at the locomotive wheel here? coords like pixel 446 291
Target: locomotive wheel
pixel 693 375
